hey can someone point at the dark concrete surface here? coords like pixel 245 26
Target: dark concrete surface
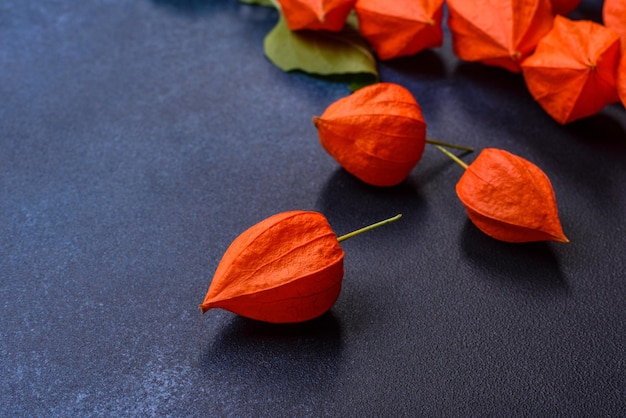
pixel 139 138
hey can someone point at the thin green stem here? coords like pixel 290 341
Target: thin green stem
pixel 454 157
pixel 445 144
pixel 368 228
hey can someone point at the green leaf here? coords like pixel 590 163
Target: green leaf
pixel 267 3
pixel 341 55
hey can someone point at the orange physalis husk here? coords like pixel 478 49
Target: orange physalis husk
pixel 614 17
pixel 327 15
pixel 498 32
pixel 563 7
pixel 377 134
pixel 287 268
pixel 621 79
pixel 573 72
pixel 400 27
pixel 510 198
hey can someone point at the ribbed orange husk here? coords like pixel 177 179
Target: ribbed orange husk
pixel 510 198
pixel 396 28
pixel 287 268
pixel 498 32
pixel 378 133
pixel 614 17
pixel 621 79
pixel 573 72
pixel 563 7
pixel 327 15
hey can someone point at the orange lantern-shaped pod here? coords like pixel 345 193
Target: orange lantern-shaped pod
pixel 377 134
pixel 573 73
pixel 614 15
pixel 509 198
pixel 498 32
pixel 327 15
pixel 396 28
pixel 286 268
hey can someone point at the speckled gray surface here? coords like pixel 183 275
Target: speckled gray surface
pixel 138 138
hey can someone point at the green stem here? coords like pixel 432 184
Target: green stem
pixel 368 228
pixel 276 4
pixel 445 144
pixel 454 157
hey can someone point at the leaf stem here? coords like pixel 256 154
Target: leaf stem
pixel 368 228
pixel 452 156
pixel 446 144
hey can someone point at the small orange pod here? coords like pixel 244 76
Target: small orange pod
pixel 377 134
pixel 396 28
pixel 614 17
pixel 498 32
pixel 509 198
pixel 287 268
pixel 327 15
pixel 573 72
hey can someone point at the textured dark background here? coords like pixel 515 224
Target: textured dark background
pixel 139 138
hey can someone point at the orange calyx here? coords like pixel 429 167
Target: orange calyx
pixel 400 27
pixel 377 134
pixel 510 198
pixel 327 15
pixel 287 268
pixel 494 31
pixel 614 17
pixel 573 72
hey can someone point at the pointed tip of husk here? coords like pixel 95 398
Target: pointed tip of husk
pixel 316 120
pixel 559 236
pixel 321 16
pixel 204 307
pixel 562 238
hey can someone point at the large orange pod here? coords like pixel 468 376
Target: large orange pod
pixel 509 198
pixel 377 134
pixel 287 268
pixel 498 32
pixel 573 72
